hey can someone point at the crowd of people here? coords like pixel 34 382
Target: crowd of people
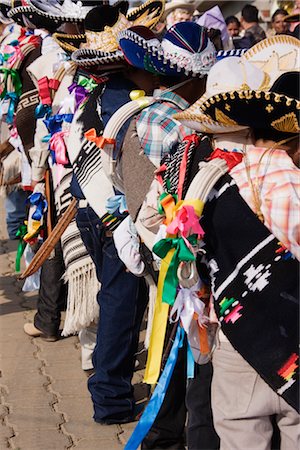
pixel 149 159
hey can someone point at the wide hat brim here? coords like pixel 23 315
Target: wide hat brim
pixel 63 17
pixel 88 58
pixel 202 123
pixel 17 15
pixel 147 53
pixel 149 13
pixel 292 18
pixel 171 6
pixel 255 109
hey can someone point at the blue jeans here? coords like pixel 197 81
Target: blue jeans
pixel 15 211
pixel 122 300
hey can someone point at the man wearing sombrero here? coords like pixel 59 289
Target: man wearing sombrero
pixel 52 294
pixel 122 297
pixel 255 365
pixel 181 60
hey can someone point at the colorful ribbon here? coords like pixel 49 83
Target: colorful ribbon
pixel 166 205
pixel 100 141
pixel 186 220
pixel 16 81
pixel 232 158
pixel 37 199
pixel 88 83
pixel 42 110
pixel 80 92
pixel 116 203
pixel 13 100
pixel 21 246
pixel 58 146
pixel 192 139
pixel 156 401
pixel 187 304
pixel 181 253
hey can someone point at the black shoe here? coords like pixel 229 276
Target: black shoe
pixel 116 419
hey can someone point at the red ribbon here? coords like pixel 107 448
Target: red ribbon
pixel 232 158
pixel 44 86
pixel 100 141
pixel 192 139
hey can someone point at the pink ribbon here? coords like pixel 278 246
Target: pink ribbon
pixel 58 145
pixel 186 222
pixel 17 56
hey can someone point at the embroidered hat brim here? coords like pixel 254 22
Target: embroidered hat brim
pixel 19 14
pixel 176 55
pixel 148 14
pixel 255 109
pixel 292 18
pixel 202 123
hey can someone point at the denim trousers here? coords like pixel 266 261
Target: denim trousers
pixel 15 205
pixel 122 300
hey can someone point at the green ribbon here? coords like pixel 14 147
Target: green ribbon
pixel 182 253
pixel 16 80
pixel 87 83
pixel 21 247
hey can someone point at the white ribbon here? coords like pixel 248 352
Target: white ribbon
pixel 186 304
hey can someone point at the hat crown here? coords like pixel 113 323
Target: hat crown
pixel 187 44
pixel 233 74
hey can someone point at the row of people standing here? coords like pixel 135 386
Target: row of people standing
pixel 179 71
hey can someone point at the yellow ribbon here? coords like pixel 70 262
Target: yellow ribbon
pixel 160 319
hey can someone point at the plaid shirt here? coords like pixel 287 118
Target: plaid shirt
pixel 157 130
pixel 279 181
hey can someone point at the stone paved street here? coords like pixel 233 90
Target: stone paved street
pixel 44 401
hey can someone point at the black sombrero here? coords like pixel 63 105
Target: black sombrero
pixel 50 14
pixel 99 45
pixel 277 109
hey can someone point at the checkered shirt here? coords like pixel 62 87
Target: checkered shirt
pixel 158 132
pixel 279 181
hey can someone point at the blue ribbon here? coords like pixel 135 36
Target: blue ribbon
pixel 37 199
pixel 115 203
pixel 13 99
pixel 190 369
pixel 54 123
pixel 154 405
pixel 42 110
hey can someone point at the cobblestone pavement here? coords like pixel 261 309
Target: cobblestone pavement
pixel 44 401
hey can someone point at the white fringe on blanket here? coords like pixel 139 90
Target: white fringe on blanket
pixel 82 306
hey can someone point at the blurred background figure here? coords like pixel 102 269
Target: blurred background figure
pixel 249 22
pixel 178 11
pixel 278 24
pixel 233 26
pixel 213 19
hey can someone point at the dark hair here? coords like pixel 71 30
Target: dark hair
pixel 271 135
pixel 250 13
pixel 232 19
pixel 281 11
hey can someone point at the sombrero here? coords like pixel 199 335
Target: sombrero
pixel 50 14
pixel 99 44
pixel 228 74
pixel 185 49
pixel 5 6
pixel 276 109
pixel 189 5
pixel 291 18
pixel 275 56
